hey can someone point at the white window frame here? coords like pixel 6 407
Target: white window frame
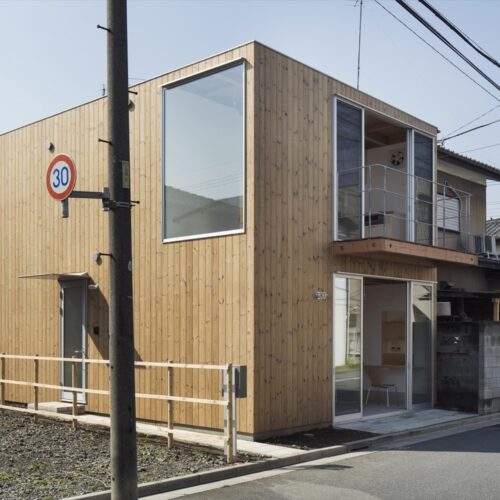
pixel 181 81
pixel 411 184
pixel 348 102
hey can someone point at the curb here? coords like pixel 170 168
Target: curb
pixel 231 472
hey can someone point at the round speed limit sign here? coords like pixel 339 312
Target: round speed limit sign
pixel 61 177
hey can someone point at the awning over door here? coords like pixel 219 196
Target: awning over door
pixel 57 276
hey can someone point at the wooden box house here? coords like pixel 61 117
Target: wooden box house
pixel 287 222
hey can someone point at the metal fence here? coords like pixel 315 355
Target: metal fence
pixel 381 201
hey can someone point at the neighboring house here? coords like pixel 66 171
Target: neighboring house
pixel 287 222
pixel 468 343
pixel 466 227
pixel 493 230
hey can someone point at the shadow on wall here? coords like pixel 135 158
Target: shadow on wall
pixel 98 322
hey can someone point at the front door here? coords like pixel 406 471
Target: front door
pixel 73 333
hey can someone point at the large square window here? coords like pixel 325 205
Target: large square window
pixel 203 155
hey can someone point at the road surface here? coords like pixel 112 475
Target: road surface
pixel 461 466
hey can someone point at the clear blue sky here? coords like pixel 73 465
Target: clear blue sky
pixel 52 56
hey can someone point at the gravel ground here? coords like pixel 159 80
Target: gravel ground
pixel 320 438
pixel 50 460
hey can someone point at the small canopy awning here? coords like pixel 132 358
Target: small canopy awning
pixel 57 276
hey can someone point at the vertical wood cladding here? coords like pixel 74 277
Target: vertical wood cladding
pixel 293 235
pixel 193 300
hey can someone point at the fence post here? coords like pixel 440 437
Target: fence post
pixel 170 406
pixel 234 421
pixel 35 389
pixel 74 375
pixel 2 385
pixel 496 309
pixel 228 420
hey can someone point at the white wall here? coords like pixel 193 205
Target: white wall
pixel 395 182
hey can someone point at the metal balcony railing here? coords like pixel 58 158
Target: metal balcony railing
pixel 381 201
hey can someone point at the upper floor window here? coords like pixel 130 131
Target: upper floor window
pixel 203 155
pixel 448 213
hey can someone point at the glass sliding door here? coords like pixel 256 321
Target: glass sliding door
pixel 348 159
pixel 421 323
pixel 423 162
pixel 348 342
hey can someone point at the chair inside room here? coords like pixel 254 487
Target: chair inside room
pixel 377 376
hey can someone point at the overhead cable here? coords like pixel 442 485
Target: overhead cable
pixel 460 33
pixel 435 32
pixel 472 121
pixel 438 52
pixel 482 147
pixel 468 130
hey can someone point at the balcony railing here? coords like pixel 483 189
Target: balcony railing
pixel 381 201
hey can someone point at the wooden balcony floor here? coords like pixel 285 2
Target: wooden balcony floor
pixel 403 251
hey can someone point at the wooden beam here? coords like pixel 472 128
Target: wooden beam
pixel 410 252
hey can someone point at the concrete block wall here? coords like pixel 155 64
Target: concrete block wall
pixel 458 365
pixel 489 367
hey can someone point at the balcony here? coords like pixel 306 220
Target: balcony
pixel 401 216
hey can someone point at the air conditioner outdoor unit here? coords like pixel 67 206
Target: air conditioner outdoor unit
pixel 486 245
pixel 490 245
pixel 479 244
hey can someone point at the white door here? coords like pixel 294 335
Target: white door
pixel 73 333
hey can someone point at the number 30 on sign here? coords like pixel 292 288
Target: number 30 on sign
pixel 61 177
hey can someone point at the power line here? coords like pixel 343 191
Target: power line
pixel 469 130
pixel 472 121
pixel 482 147
pixel 437 51
pixel 436 33
pixel 460 33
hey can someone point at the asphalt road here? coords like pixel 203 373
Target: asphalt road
pixel 462 466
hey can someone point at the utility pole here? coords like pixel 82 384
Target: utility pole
pixel 121 334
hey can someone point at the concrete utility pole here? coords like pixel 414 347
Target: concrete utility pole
pixel 121 334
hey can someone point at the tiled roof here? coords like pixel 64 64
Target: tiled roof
pixel 489 171
pixel 493 227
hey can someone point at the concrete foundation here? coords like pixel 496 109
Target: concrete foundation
pixel 58 407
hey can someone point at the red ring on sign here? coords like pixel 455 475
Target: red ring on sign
pixel 71 185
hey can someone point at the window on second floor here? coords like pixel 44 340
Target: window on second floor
pixel 448 213
pixel 203 155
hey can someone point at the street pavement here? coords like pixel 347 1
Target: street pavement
pixel 460 466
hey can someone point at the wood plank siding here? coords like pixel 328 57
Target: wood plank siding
pixel 245 299
pixel 293 238
pixel 193 300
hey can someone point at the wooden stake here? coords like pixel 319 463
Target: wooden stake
pixel 170 406
pixel 74 375
pixel 35 389
pixel 2 385
pixel 229 414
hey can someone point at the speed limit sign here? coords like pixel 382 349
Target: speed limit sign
pixel 61 177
